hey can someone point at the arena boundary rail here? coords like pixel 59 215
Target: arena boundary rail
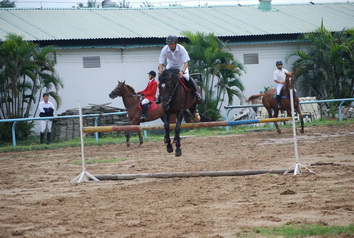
pixel 340 117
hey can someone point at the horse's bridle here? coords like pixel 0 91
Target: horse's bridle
pixel 169 98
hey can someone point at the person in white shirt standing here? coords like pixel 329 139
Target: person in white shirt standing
pixel 46 109
pixel 279 76
pixel 177 58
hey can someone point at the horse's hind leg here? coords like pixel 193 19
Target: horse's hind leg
pixel 141 140
pixel 127 138
pixel 301 118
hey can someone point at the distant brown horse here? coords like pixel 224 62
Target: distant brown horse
pixel 270 103
pixel 176 99
pixel 131 101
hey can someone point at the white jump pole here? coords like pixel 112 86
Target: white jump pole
pixel 297 167
pixel 84 175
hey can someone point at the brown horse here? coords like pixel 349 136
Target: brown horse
pixel 176 99
pixel 131 101
pixel 270 103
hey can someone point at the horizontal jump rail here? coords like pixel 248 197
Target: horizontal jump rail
pixel 92 129
pixel 189 174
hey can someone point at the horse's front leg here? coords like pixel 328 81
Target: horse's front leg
pixel 167 139
pixel 276 112
pixel 301 119
pixel 177 138
pixel 127 138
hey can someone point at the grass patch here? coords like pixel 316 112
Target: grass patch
pixel 305 230
pixel 99 161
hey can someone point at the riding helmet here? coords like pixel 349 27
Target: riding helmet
pixel 278 63
pixel 171 39
pixel 153 73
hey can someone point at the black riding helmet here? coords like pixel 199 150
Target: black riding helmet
pixel 278 63
pixel 152 73
pixel 171 39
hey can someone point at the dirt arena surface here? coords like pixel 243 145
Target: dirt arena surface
pixel 37 198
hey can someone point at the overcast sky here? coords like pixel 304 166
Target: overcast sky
pixel 157 3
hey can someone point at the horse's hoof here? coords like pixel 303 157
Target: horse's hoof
pixel 302 131
pixel 169 148
pixel 178 152
pixel 279 131
pixel 128 144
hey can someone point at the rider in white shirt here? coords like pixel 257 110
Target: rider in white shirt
pixel 46 109
pixel 177 58
pixel 279 76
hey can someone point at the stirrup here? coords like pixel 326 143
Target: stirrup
pixel 143 117
pixel 279 105
pixel 158 100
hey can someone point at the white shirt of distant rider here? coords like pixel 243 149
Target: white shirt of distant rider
pixel 176 58
pixel 43 108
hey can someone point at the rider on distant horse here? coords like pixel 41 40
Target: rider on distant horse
pixel 149 94
pixel 279 76
pixel 177 58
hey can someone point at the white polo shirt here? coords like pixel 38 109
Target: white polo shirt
pixel 279 75
pixel 175 59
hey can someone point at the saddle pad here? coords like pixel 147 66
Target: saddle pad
pixel 152 106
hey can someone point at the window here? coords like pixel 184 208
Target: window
pixel 250 58
pixel 91 62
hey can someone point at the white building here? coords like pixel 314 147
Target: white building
pixel 101 46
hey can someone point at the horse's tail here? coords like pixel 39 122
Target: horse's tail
pixel 253 97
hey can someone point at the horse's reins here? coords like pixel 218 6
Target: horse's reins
pixel 172 94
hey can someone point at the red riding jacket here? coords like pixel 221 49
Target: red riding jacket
pixel 150 90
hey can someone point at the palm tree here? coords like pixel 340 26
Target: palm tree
pixel 25 71
pixel 217 71
pixel 326 67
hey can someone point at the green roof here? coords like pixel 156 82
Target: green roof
pixel 223 21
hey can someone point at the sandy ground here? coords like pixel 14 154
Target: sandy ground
pixel 37 198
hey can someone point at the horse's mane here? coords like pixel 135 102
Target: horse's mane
pixel 166 75
pixel 130 88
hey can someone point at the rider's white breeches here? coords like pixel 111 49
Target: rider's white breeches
pixel 186 74
pixel 279 86
pixel 46 124
pixel 145 101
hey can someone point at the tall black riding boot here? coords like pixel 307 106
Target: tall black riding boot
pixel 49 138
pixel 279 101
pixel 41 137
pixel 158 99
pixel 192 84
pixel 143 115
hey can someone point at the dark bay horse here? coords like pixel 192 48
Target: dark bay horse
pixel 131 101
pixel 176 99
pixel 270 103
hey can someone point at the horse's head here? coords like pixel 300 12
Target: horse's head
pixel 289 80
pixel 118 90
pixel 168 81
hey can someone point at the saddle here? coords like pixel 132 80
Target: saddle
pixel 184 84
pixel 152 106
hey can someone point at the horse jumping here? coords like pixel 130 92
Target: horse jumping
pixel 131 101
pixel 176 99
pixel 270 103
